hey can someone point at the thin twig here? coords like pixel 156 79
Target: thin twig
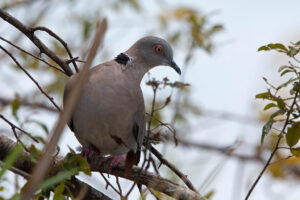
pixel 155 87
pixel 13 126
pixel 42 28
pixel 14 4
pixel 28 74
pixel 222 149
pixel 173 168
pixel 119 186
pixel 275 149
pixel 30 34
pixel 24 102
pixel 182 78
pixel 109 184
pixel 17 171
pixel 36 57
pixel 277 161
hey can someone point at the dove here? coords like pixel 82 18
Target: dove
pixel 109 118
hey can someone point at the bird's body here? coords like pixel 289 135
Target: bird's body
pixel 110 114
pixel 119 112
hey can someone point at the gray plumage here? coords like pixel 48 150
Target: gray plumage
pixel 110 114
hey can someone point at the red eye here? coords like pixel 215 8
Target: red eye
pixel 158 48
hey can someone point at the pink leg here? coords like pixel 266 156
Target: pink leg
pixel 115 160
pixel 86 153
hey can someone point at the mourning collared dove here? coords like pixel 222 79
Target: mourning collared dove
pixel 109 117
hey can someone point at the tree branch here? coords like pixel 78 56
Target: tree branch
pixel 173 168
pixel 28 53
pixel 24 102
pixel 280 136
pixel 42 28
pixel 28 74
pixel 24 165
pixel 29 32
pixel 100 164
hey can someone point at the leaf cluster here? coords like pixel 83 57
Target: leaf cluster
pixel 286 109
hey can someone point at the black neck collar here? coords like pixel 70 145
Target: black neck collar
pixel 122 59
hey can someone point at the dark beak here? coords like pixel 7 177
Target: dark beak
pixel 175 67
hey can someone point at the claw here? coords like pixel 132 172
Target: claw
pixel 115 161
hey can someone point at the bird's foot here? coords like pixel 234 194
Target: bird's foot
pixel 87 153
pixel 115 161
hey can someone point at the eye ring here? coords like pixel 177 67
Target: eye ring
pixel 158 49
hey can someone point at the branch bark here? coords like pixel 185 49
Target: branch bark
pixel 24 102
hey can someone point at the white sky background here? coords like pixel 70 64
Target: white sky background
pixel 227 80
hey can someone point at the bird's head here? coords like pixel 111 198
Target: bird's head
pixel 154 51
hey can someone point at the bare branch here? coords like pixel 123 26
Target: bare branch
pixel 28 31
pixel 24 102
pixel 173 168
pixel 16 127
pixel 42 28
pixel 98 163
pixel 36 57
pixel 14 4
pixel 34 81
pixel 223 150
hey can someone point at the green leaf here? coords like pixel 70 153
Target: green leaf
pixel 58 192
pixel 281 104
pixel 264 95
pixel 11 159
pixel 293 51
pixel 34 153
pixel 268 126
pixel 278 46
pixel 83 165
pixel 286 83
pixel 15 197
pixel 58 178
pixel 209 195
pixel 266 129
pixel 296 86
pixel 263 48
pixel 15 104
pixel 295 151
pixel 270 105
pixel 285 72
pixel 73 160
pixel 265 79
pixel 284 67
pixel 42 125
pixel 293 135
